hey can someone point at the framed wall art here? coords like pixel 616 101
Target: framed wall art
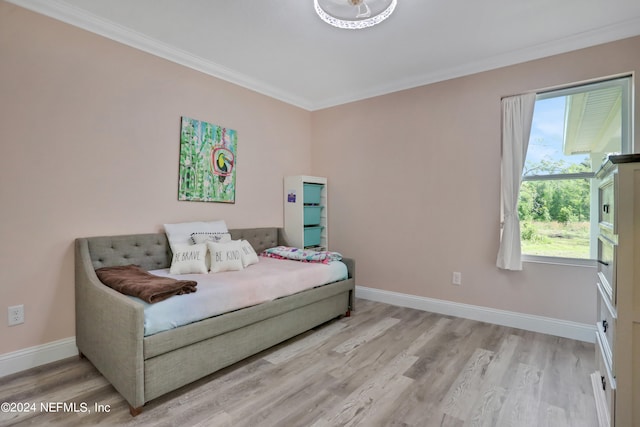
pixel 207 170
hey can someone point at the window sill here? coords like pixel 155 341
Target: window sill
pixel 576 262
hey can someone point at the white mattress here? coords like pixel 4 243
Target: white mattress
pixel 219 293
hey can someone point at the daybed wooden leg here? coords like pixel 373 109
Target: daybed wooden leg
pixel 135 411
pixel 348 313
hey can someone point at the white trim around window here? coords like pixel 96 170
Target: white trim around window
pixel 541 259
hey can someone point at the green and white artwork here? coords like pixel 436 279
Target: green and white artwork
pixel 207 162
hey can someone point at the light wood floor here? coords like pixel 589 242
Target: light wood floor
pixel 384 366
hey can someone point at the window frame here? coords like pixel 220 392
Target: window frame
pixel 625 81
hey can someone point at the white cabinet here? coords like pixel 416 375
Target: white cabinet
pixel 305 212
pixel 616 382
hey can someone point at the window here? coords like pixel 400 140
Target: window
pixel 572 132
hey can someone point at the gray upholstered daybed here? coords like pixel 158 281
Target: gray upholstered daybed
pixel 110 325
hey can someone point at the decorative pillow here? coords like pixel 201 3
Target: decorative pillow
pixel 180 234
pixel 189 259
pixel 210 236
pixel 225 256
pixel 249 255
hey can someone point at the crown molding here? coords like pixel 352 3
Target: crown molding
pixel 72 15
pixel 77 17
pixel 611 33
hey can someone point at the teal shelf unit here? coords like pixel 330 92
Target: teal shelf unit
pixel 305 212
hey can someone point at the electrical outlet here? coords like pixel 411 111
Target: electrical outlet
pixel 457 278
pixel 16 315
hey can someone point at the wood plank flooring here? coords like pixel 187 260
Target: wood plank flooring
pixel 384 366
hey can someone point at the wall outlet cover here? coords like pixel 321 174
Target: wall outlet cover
pixel 15 315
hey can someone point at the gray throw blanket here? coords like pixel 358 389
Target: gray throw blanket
pixel 135 281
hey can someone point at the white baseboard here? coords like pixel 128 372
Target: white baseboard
pixel 545 325
pixel 31 357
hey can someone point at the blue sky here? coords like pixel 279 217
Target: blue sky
pixel 547 132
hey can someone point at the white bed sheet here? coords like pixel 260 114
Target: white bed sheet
pixel 218 293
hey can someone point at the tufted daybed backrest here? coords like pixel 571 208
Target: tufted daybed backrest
pixel 149 251
pixel 152 251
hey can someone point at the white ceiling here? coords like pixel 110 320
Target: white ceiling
pixel 282 49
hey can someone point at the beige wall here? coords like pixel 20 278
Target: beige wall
pixel 90 140
pixel 415 179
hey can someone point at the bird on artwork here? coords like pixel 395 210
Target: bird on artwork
pixel 223 165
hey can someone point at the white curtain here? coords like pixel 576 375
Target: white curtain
pixel 517 113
